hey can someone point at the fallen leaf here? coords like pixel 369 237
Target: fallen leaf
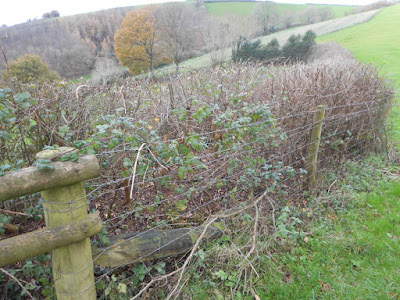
pixel 306 239
pixel 326 287
pixel 288 278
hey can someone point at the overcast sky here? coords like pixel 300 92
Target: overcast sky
pixel 19 11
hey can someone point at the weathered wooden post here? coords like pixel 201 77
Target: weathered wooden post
pixel 72 265
pixel 313 148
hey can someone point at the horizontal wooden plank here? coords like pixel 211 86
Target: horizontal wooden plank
pixel 30 244
pixel 32 180
pixel 150 245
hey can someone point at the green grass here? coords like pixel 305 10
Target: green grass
pixel 350 248
pixel 219 9
pixel 377 41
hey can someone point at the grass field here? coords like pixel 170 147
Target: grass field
pixel 377 41
pixel 219 9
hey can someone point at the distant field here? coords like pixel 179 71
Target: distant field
pixel 282 36
pixel 377 41
pixel 245 8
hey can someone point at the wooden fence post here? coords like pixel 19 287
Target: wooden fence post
pixel 313 148
pixel 72 265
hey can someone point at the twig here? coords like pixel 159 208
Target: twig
pixel 183 268
pixel 77 90
pixel 19 283
pixel 156 158
pixel 253 247
pixel 134 169
pixel 153 281
pixel 13 212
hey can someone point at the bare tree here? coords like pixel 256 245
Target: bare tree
pixel 199 3
pixel 239 26
pixel 175 22
pixel 325 13
pixel 288 18
pixel 309 15
pixel 266 14
pixel 216 35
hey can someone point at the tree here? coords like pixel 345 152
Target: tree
pixel 288 18
pixel 309 15
pixel 297 47
pixel 199 3
pixel 54 14
pixel 30 68
pixel 65 52
pixel 325 13
pixel 216 37
pixel 266 15
pixel 176 27
pixel 137 42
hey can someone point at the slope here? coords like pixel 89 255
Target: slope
pixel 321 28
pixel 377 41
pixel 246 8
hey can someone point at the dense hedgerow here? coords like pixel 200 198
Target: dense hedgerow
pixel 209 139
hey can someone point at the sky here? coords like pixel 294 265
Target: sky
pixel 19 11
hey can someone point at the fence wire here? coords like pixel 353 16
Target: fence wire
pixel 285 181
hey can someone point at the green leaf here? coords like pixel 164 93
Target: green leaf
pixel 22 97
pixel 122 288
pixel 182 204
pixel 46 167
pixel 182 172
pixel 5 167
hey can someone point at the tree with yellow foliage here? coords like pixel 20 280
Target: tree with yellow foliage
pixel 137 41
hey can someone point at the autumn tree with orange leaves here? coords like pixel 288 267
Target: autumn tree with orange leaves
pixel 137 42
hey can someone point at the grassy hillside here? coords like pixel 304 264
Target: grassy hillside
pixel 246 8
pixel 282 36
pixel 377 41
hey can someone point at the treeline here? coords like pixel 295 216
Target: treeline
pixel 70 46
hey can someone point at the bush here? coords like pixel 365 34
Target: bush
pixel 107 71
pixel 295 49
pixel 30 68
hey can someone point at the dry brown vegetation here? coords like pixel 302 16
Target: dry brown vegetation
pixel 203 113
pixel 209 141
